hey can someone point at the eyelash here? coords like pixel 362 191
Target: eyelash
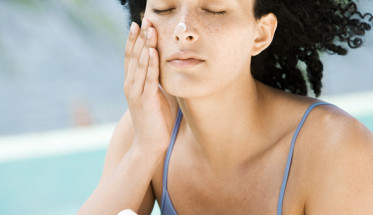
pixel 220 13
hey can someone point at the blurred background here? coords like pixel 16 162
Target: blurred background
pixel 61 95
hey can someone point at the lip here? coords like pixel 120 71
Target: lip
pixel 185 62
pixel 185 59
pixel 184 55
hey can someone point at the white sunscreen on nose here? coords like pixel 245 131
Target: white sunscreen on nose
pixel 181 27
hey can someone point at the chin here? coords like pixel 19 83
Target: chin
pixel 183 88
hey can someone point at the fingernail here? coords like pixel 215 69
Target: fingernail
pixel 133 28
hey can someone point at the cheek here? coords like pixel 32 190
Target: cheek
pixel 233 43
pixel 164 31
pixel 232 54
pixel 164 39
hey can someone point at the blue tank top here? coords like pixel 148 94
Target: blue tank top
pixel 167 207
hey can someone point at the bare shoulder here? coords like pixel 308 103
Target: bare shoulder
pixel 337 129
pixel 340 163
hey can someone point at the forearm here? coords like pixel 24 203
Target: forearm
pixel 127 185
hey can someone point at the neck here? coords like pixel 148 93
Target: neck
pixel 228 128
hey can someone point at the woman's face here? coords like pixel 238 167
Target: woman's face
pixel 223 41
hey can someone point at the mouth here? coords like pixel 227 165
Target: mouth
pixel 185 63
pixel 185 59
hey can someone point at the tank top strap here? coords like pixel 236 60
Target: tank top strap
pixel 290 155
pixel 168 154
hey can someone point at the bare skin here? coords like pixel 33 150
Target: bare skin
pixel 229 136
pixel 231 149
pixel 233 143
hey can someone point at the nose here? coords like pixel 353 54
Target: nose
pixel 183 33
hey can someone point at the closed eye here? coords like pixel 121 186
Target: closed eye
pixel 219 13
pixel 161 11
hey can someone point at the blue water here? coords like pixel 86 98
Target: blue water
pixel 52 185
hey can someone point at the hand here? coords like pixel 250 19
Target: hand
pixel 148 106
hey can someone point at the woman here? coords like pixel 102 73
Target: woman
pixel 217 96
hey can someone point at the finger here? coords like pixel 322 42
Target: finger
pixel 136 52
pixel 134 31
pixel 151 82
pixel 152 41
pixel 142 68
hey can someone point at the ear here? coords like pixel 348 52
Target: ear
pixel 264 35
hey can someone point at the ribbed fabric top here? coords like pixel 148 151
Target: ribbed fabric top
pixel 167 207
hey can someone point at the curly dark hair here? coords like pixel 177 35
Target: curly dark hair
pixel 305 29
